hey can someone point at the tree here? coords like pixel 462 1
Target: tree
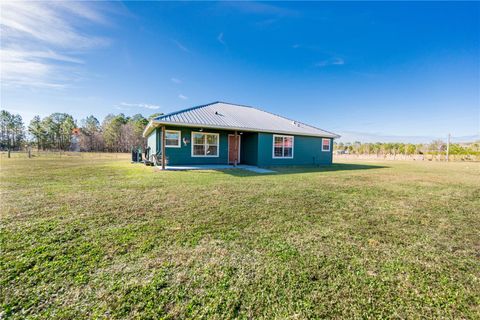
pixel 11 130
pixel 137 124
pixel 36 130
pixel 112 131
pixel 410 149
pixel 91 138
pixel 52 132
pixel 58 130
pixel 158 114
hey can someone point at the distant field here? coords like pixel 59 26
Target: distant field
pixel 98 237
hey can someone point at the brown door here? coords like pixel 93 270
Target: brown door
pixel 231 149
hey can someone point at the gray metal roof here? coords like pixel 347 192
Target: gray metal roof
pixel 222 115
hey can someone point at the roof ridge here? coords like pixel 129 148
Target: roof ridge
pixel 240 105
pixel 236 104
pixel 184 110
pixel 277 115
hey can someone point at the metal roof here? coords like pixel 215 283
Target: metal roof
pixel 223 115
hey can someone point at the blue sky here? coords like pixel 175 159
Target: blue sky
pixel 373 71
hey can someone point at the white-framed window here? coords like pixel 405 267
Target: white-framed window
pixel 173 138
pixel 282 146
pixel 205 144
pixel 325 144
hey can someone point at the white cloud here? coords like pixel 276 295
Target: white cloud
pixel 176 80
pixel 181 96
pixel 126 106
pixel 330 62
pixel 181 46
pixel 260 8
pixel 220 39
pixel 38 39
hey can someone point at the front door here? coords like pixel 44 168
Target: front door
pixel 232 155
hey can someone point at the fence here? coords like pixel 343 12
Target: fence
pixel 415 157
pixel 64 154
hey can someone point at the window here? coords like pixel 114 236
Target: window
pixel 204 144
pixel 282 146
pixel 172 139
pixel 325 144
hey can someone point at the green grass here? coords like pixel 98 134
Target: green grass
pixel 86 238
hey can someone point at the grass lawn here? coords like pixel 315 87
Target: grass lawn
pixel 83 237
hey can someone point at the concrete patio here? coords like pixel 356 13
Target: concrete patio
pixel 217 167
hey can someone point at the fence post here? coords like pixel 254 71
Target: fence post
pixel 448 146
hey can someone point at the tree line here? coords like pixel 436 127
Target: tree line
pixel 61 131
pixel 12 131
pixel 119 133
pixel 435 147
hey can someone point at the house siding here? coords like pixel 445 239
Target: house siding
pixel 183 155
pixel 306 151
pixel 256 149
pixel 249 148
pixel 152 142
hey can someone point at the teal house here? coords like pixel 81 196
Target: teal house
pixel 226 133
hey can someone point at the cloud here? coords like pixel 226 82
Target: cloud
pixel 330 62
pixel 260 8
pixel 39 38
pixel 220 39
pixel 176 80
pixel 181 96
pixel 267 22
pixel 127 106
pixel 181 46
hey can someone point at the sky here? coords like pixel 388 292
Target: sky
pixel 369 71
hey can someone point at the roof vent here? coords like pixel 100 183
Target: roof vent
pixel 295 123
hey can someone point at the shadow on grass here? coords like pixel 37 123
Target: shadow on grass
pixel 303 169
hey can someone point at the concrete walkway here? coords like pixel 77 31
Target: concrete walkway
pixel 255 169
pixel 218 167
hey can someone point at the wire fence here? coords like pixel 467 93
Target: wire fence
pixel 64 155
pixel 416 157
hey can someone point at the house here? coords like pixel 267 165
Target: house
pixel 226 133
pixel 75 140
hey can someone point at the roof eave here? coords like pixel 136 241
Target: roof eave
pixel 155 123
pixel 149 128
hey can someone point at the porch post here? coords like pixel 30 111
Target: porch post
pixel 163 147
pixel 235 149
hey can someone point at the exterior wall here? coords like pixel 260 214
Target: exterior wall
pixel 256 149
pixel 183 155
pixel 249 148
pixel 152 142
pixel 306 151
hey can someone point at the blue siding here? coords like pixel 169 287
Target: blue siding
pixel 256 149
pixel 249 148
pixel 183 155
pixel 307 151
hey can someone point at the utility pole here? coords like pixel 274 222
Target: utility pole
pixel 448 145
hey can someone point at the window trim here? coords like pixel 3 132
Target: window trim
pixel 329 145
pixel 179 144
pixel 205 156
pixel 283 147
